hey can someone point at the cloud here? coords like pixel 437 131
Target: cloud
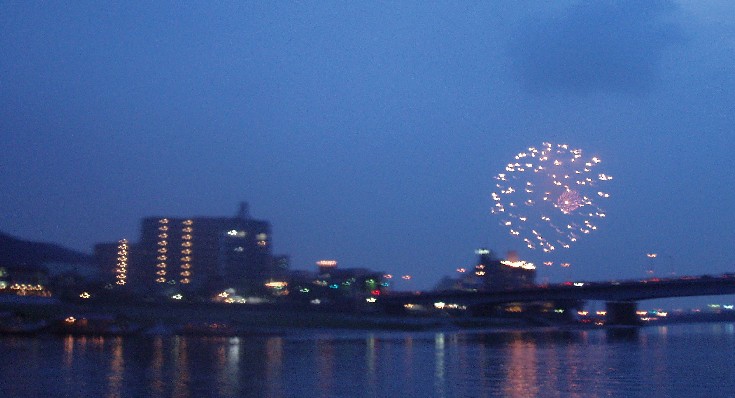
pixel 606 46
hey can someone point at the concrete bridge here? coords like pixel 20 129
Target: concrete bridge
pixel 621 297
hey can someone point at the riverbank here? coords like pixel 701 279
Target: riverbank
pixel 211 318
pixel 234 319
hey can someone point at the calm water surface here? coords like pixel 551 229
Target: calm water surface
pixel 670 361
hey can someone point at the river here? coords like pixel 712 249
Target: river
pixel 664 361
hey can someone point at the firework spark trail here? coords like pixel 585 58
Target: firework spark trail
pixel 548 196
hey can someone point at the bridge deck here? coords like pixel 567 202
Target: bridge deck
pixel 605 291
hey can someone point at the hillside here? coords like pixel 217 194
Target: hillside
pixel 18 253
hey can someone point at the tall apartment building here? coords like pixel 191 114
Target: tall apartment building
pixel 112 260
pixel 203 254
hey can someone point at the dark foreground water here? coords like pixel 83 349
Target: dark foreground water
pixel 672 361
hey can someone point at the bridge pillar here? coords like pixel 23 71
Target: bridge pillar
pixel 622 313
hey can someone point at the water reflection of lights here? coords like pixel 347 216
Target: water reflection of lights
pixel 408 361
pixel 182 381
pixel 325 367
pixel 156 367
pixel 370 354
pixel 521 378
pixel 228 366
pixel 68 350
pixel 439 365
pixel 233 352
pixel 117 370
pixel 274 366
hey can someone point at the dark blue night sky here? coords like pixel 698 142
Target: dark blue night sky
pixel 370 132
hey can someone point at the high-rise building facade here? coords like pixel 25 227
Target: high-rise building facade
pixel 112 260
pixel 200 254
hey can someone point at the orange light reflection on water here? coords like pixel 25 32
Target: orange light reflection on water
pixel 521 380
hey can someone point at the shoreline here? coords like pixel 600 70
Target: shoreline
pixel 241 320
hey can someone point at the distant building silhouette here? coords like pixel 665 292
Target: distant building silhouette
pixel 491 274
pixel 330 284
pixel 495 274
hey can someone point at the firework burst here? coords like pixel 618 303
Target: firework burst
pixel 548 196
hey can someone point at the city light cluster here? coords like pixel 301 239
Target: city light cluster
pixel 327 263
pixel 278 288
pixel 24 289
pixel 518 264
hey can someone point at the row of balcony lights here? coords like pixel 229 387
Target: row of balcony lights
pixel 186 251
